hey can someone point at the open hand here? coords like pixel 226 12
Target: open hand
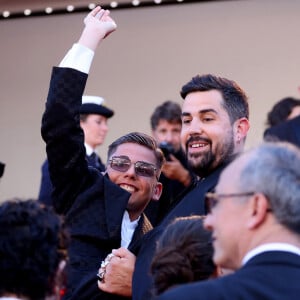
pixel 98 25
pixel 100 20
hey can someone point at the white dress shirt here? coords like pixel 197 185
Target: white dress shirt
pixel 127 229
pixel 88 149
pixel 79 58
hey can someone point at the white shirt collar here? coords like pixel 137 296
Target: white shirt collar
pixel 270 247
pixel 89 150
pixel 127 229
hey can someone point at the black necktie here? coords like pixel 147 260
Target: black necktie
pixel 94 160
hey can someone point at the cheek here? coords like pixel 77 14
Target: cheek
pixel 218 137
pixel 159 138
pixel 103 127
pixel 177 138
pixel 113 176
pixel 148 187
pixel 183 137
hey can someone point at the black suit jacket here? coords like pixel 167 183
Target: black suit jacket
pixel 288 131
pixel 191 204
pixel 271 275
pixel 46 186
pixel 93 206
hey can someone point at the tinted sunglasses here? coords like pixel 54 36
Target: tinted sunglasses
pixel 141 168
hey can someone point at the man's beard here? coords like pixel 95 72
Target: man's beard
pixel 202 164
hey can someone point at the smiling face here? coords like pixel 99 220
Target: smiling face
pixel 142 188
pixel 207 134
pixel 95 129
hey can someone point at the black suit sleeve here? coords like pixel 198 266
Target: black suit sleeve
pixel 64 137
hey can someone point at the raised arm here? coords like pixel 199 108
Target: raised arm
pixel 60 124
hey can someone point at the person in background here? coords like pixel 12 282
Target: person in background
pixel 183 254
pixel 284 122
pixel 175 177
pixel 262 244
pixel 94 117
pixel 285 109
pixel 33 242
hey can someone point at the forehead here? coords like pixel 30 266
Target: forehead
pixel 91 117
pixel 135 152
pixel 168 125
pixel 198 101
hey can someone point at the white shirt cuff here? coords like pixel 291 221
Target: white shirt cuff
pixel 79 58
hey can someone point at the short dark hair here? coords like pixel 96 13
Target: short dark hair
pixel 140 139
pixel 183 254
pixel 281 110
pixel 169 111
pixel 33 243
pixel 235 99
pixel 83 117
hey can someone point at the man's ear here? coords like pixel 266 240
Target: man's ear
pixel 157 191
pixel 259 209
pixel 241 127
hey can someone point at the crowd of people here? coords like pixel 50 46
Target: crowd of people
pixel 186 213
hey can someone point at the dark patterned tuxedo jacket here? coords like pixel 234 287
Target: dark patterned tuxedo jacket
pixel 271 275
pixel 46 187
pixel 93 206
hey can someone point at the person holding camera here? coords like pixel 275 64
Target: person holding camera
pixel 175 177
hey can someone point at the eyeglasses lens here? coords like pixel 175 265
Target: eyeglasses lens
pixel 144 169
pixel 120 165
pixel 141 168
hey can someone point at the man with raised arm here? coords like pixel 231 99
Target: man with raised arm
pixel 103 211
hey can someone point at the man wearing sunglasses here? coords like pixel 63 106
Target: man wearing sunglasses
pixel 103 211
pixel 258 196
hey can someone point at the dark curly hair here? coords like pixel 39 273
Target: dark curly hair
pixel 183 254
pixel 281 110
pixel 33 242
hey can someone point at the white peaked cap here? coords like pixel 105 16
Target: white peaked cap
pixel 95 105
pixel 93 99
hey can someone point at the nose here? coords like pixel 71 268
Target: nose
pixel 131 172
pixel 196 127
pixel 104 126
pixel 169 137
